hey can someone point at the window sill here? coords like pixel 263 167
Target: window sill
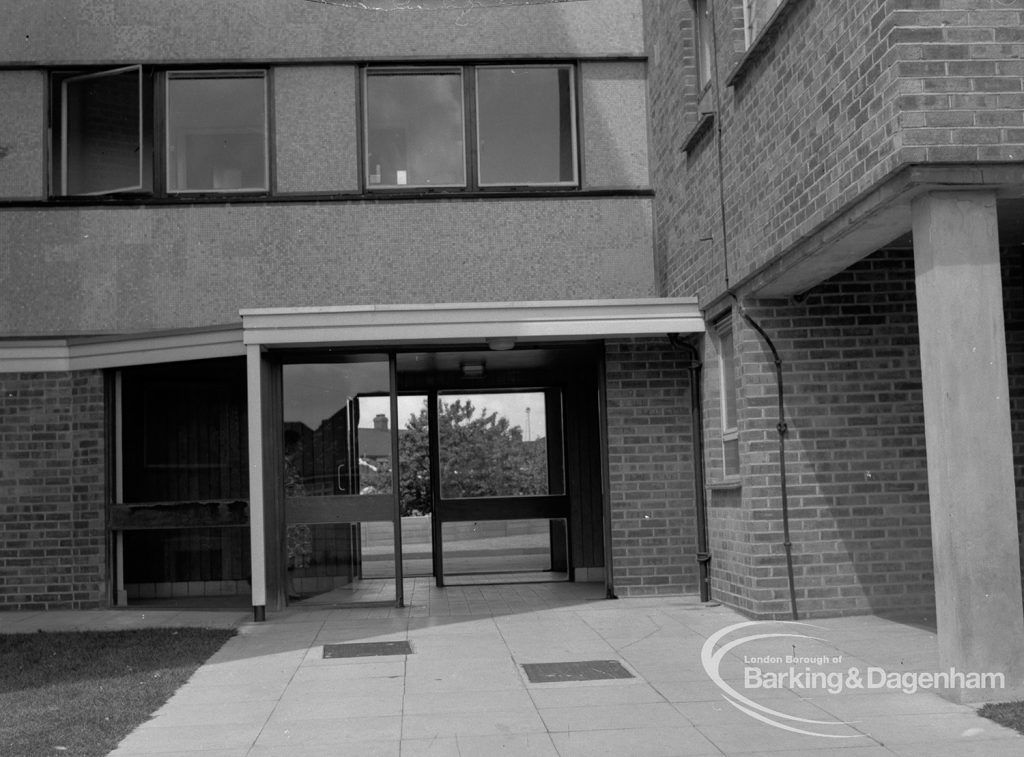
pixel 760 44
pixel 726 484
pixel 702 127
pixel 322 197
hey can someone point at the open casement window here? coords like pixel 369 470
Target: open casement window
pixel 729 391
pixel 756 15
pixel 216 131
pixel 526 126
pixel 102 147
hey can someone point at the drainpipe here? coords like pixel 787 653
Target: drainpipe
pixel 697 424
pixel 782 428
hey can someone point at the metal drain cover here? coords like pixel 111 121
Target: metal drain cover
pixel 586 670
pixel 366 649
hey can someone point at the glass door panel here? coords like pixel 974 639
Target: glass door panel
pixel 492 445
pixel 339 500
pixel 501 506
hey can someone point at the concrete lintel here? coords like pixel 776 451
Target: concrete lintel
pixel 471 322
pixel 872 221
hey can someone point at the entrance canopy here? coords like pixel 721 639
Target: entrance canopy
pixel 501 324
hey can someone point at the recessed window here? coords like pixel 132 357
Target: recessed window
pixel 525 125
pixel 521 127
pixel 216 132
pixel 104 140
pixel 756 15
pixel 415 134
pixel 729 391
pixel 703 39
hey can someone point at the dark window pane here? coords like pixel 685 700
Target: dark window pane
pixel 729 388
pixel 216 133
pixel 526 133
pixel 414 130
pixel 102 132
pixel 704 48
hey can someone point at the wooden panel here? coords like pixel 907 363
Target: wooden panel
pixel 503 508
pixel 583 466
pixel 185 432
pixel 341 508
pixel 186 554
pixel 178 515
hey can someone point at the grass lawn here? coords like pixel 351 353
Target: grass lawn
pixel 1010 714
pixel 80 693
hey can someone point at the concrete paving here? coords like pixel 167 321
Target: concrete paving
pixel 269 692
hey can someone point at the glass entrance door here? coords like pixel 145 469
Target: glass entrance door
pixel 500 507
pixel 340 505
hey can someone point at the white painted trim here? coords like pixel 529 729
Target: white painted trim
pixel 257 545
pixel 470 322
pixel 362 325
pixel 90 353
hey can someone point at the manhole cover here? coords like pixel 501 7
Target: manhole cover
pixel 586 670
pixel 366 649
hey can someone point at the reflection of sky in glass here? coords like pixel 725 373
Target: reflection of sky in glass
pixel 314 392
pixel 511 405
pixel 525 125
pixel 415 130
pixel 216 133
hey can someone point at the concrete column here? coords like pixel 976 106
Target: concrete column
pixel 257 529
pixel 967 428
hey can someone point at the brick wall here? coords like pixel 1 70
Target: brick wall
pixel 843 95
pixel 653 516
pixel 961 80
pixel 52 488
pixel 855 452
pixel 810 126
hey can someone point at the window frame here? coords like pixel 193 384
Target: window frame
pixel 154 138
pixel 372 70
pixel 470 130
pixel 64 115
pixel 703 37
pixel 170 75
pixel 573 127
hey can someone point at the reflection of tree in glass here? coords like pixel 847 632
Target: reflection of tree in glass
pixel 299 537
pixel 481 455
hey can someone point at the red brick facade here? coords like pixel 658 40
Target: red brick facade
pixel 52 490
pixel 840 106
pixel 841 96
pixel 650 454
pixel 855 457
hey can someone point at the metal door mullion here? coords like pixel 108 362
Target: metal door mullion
pixel 396 480
pixel 434 437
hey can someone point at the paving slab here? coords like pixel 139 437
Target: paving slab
pixel 461 689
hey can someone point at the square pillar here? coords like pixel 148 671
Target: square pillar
pixel 967 429
pixel 257 520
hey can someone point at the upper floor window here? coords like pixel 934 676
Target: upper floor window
pixel 105 140
pixel 415 135
pixel 756 15
pixel 703 41
pixel 216 131
pixel 471 127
